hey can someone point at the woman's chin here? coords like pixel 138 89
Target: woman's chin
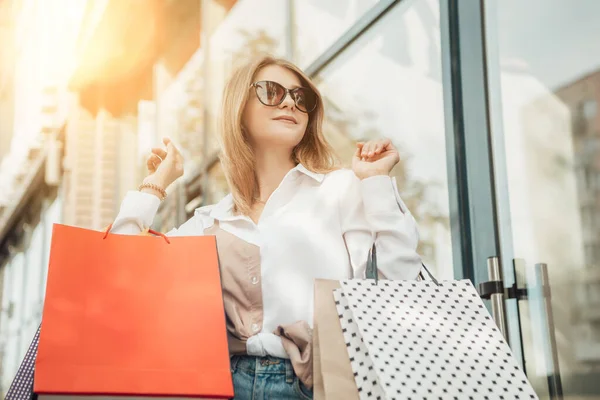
pixel 281 137
pixel 277 145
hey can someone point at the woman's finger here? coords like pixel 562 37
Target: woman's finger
pixel 365 149
pixel 386 144
pixel 155 159
pixel 150 165
pixel 371 148
pixel 378 147
pixel 170 146
pixel 159 152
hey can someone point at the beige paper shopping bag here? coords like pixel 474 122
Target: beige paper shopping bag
pixel 333 376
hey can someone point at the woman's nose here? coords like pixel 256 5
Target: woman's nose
pixel 288 101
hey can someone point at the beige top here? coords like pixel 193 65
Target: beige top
pixel 242 296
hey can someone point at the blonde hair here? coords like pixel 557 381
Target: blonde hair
pixel 237 156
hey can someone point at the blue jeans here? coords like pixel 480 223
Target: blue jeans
pixel 257 378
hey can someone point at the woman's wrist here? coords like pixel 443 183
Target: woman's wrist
pixel 371 174
pixel 154 189
pixel 152 192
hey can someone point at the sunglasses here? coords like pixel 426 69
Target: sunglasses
pixel 272 94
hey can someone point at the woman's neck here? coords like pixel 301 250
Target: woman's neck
pixel 271 168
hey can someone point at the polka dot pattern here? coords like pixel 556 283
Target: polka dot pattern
pixel 362 366
pixel 426 341
pixel 22 386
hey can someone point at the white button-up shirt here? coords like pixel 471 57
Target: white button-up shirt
pixel 314 226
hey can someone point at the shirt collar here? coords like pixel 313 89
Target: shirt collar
pixel 317 177
pixel 223 210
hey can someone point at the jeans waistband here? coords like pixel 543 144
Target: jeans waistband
pixel 264 365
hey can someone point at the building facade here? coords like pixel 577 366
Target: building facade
pixel 100 165
pixel 7 70
pixel 492 104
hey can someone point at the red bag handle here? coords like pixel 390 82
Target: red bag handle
pixel 151 231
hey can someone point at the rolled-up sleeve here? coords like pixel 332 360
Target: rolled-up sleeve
pixel 138 211
pixel 371 211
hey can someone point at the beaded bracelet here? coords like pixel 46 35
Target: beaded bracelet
pixel 160 190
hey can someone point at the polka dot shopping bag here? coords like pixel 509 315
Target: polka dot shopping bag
pixel 425 339
pixel 21 387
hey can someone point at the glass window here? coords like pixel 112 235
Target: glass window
pixel 388 84
pixel 14 319
pixel 10 360
pixel 545 53
pixel 217 187
pixel 35 262
pixel 593 292
pixel 51 216
pixel 5 315
pixel 16 292
pixel 590 108
pixel 250 28
pixel 319 23
pixel 183 101
pixel 595 333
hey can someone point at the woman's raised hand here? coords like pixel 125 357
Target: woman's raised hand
pixel 165 165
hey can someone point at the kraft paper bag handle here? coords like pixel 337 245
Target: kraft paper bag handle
pixel 372 268
pixel 147 231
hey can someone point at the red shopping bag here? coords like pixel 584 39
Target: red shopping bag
pixel 133 316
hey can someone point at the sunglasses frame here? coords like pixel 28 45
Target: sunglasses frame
pixel 290 92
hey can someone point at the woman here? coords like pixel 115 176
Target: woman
pixel 291 218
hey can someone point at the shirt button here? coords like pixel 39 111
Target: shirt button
pixel 255 328
pixel 254 280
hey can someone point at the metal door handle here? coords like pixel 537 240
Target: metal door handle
pixel 494 291
pixel 554 378
pixel 497 299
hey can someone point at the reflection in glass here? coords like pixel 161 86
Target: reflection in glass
pixel 319 23
pixel 549 177
pixel 182 112
pixel 32 296
pixel 51 216
pixel 5 314
pixel 217 187
pixel 251 27
pixel 12 316
pixel 23 291
pixel 388 84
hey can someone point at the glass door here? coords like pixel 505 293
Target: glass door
pixel 544 88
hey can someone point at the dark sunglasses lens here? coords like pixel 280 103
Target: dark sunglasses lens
pixel 306 99
pixel 270 93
